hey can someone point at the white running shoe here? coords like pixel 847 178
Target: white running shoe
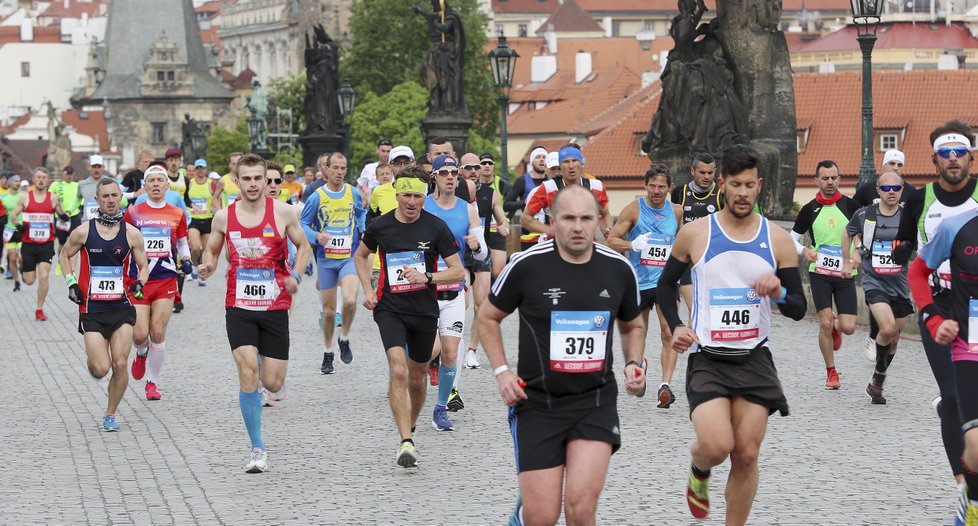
pixel 279 396
pixel 471 360
pixel 871 351
pixel 266 397
pixel 259 461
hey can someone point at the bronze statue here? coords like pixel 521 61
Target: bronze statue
pixel 321 105
pixel 445 61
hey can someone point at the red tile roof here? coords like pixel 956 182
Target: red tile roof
pixel 243 80
pixel 92 125
pixel 614 154
pixel 524 6
pixel 569 17
pixel 75 9
pixel 669 6
pixel 212 8
pixel 42 35
pixel 898 35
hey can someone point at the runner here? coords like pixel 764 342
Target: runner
pixel 884 282
pixel 260 286
pixel 333 221
pixel 164 230
pixel 698 198
pixel 405 306
pixel 67 191
pixel 954 193
pixel 39 208
pixel 290 185
pixel 226 192
pixel 86 188
pixel 519 193
pixel 738 259
pixel 646 229
pixel 467 228
pixel 105 313
pixel 198 197
pixel 383 199
pixel 563 416
pixel 824 219
pixel 12 239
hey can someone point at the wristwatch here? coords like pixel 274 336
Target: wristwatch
pixel 429 276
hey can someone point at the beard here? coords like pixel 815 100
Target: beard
pixel 954 179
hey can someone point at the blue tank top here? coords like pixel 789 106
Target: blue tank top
pixel 457 219
pixel 661 222
pixel 104 263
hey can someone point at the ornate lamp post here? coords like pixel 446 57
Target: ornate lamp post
pixel 503 63
pixel 198 142
pixel 255 131
pixel 348 101
pixel 866 16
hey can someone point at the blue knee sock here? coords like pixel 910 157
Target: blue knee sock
pixel 446 379
pixel 251 411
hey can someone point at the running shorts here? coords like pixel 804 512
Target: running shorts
pixel 496 241
pixel 267 330
pixel 31 255
pixel 107 322
pixel 331 271
pixel 540 435
pixel 451 316
pixel 755 380
pixel 158 289
pixel 201 225
pixel 827 288
pixel 416 334
pixel 901 306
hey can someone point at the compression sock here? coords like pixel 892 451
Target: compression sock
pixel 446 380
pixel 698 473
pixel 408 441
pixel 154 362
pixel 251 412
pixel 142 348
pixel 882 363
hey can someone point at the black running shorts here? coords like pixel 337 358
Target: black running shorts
pixel 901 306
pixel 201 225
pixel 414 333
pixel 755 380
pixel 827 288
pixel 267 330
pixel 107 322
pixel 32 254
pixel 540 435
pixel 495 240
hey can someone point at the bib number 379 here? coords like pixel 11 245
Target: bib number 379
pixel 578 340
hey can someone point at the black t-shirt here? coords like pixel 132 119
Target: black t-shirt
pixel 866 193
pixel 133 180
pixel 416 244
pixel 697 205
pixel 576 303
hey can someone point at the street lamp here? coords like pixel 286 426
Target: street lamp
pixel 348 101
pixel 197 141
pixel 254 131
pixel 503 62
pixel 866 16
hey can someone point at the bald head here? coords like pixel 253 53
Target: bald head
pixel 576 212
pixel 471 160
pixel 886 186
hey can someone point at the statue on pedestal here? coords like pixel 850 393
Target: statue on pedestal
pixel 442 69
pixel 321 105
pixel 257 104
pixel 59 144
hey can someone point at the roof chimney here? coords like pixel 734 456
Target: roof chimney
pixel 947 62
pixel 582 66
pixel 551 39
pixel 26 30
pixel 542 67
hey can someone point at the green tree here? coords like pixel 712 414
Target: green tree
pixel 289 156
pixel 395 115
pixel 287 93
pixel 221 142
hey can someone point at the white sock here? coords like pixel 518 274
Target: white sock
pixel 154 363
pixel 142 348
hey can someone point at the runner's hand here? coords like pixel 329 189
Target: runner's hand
pixel 370 300
pixel 503 230
pixel 768 286
pixel 847 265
pixel 946 332
pixel 635 382
pixel 641 242
pixel 75 294
pixel 682 338
pixel 510 388
pixel 187 267
pixel 413 276
pixel 322 239
pixel 291 285
pixel 205 270
pixel 809 255
pixel 136 289
pixel 472 241
pixel 21 228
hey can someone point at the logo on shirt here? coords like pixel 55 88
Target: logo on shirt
pixel 117 251
pixel 711 209
pixel 424 245
pixel 604 294
pixel 554 294
pixel 267 231
pixel 763 244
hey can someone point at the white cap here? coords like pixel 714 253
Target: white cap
pixel 893 155
pixel 401 151
pixel 96 159
pixel 214 175
pixel 24 183
pixel 553 159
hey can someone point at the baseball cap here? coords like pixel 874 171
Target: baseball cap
pixel 200 163
pixel 154 169
pixel 124 168
pixel 69 169
pixel 173 152
pixel 486 156
pixel 553 160
pixel 289 168
pixel 24 184
pixel 401 151
pixel 442 161
pixel 96 160
pixel 893 155
pixel 214 175
pixel 384 142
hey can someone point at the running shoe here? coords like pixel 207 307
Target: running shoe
pixel 346 354
pixel 407 456
pixel 309 269
pixel 201 283
pixel 258 462
pixel 836 338
pixel 832 379
pixel 266 397
pixel 192 276
pixel 57 269
pixel 178 307
pixel 433 375
pixel 39 314
pixel 139 367
pixel 875 393
pixel 109 424
pixel 151 392
pixel 871 350
pixel 280 395
pixel 967 511
pixel 338 319
pixel 936 405
pixel 666 397
pixel 439 419
pixel 16 286
pixel 455 402
pixel 698 496
pixel 8 274
pixel 471 360
pixel 514 518
pixel 327 367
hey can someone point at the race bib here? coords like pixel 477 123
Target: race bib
pixel 63 226
pixel 40 226
pixel 232 198
pixel 198 205
pixel 397 264
pixel 493 226
pixel 973 325
pixel 828 261
pixel 91 209
pixel 105 284
pixel 882 253
pixel 255 288
pixel 656 254
pixel 340 244
pixel 8 232
pixel 578 340
pixel 157 242
pixel 458 285
pixel 735 314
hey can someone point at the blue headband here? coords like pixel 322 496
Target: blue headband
pixel 569 152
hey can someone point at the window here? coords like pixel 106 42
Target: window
pixel 974 140
pixel 615 28
pixel 888 141
pixel 25 69
pixel 169 76
pixel 522 31
pixel 160 76
pixel 159 128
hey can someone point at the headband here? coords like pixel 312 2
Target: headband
pixel 537 151
pixel 410 185
pixel 155 169
pixel 569 152
pixel 948 138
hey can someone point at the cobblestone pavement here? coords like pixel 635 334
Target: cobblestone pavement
pixel 836 459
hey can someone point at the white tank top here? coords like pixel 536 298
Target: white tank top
pixel 728 315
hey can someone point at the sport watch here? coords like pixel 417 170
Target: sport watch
pixel 429 276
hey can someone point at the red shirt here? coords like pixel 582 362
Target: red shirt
pixel 542 197
pixel 39 220
pixel 259 263
pixel 161 229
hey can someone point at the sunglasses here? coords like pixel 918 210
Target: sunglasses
pixel 958 151
pixel 487 163
pixel 890 187
pixel 446 172
pixel 470 167
pixel 277 180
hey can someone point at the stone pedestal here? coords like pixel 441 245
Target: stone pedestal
pixel 317 144
pixel 454 127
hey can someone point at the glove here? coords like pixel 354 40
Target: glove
pixel 187 267
pixel 136 289
pixel 21 228
pixel 64 217
pixel 641 242
pixel 75 294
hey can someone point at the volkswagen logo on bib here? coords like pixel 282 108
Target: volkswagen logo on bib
pixel 599 321
pixel 751 295
pixel 266 274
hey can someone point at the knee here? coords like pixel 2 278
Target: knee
pixel 825 322
pixel 274 384
pixel 847 326
pixel 399 373
pixel 157 334
pixel 42 277
pixel 349 303
pixel 535 513
pixel 329 309
pixel 715 451
pixel 120 366
pixel 744 456
pixel 98 371
pixel 888 331
pixel 581 509
pixel 417 382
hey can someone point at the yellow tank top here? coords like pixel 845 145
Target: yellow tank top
pixel 335 216
pixel 231 191
pixel 200 200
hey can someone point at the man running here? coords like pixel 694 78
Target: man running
pixel 199 197
pixel 884 282
pixel 39 208
pixel 824 219
pixel 519 193
pixel 563 412
pixel 67 191
pixel 893 161
pixel 646 229
pixel 105 314
pixel 12 238
pixel 739 260
pixel 698 198
pixel 468 231
pixel 333 221
pixel 409 241
pixel 164 230
pixel 260 286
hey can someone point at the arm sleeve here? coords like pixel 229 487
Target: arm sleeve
pixel 359 214
pixel 918 276
pixel 796 237
pixel 308 218
pixel 793 305
pixel 514 197
pixel 668 290
pixel 536 201
pixel 183 248
pixel 483 252
pixel 906 238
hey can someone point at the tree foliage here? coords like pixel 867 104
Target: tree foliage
pixel 221 142
pixel 287 93
pixel 395 115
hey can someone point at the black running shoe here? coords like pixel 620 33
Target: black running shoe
pixel 178 307
pixel 346 354
pixel 327 367
pixel 875 393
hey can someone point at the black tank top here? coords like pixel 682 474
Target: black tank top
pixel 104 263
pixel 696 205
pixel 483 199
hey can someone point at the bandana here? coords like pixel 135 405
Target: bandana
pixel 826 201
pixel 948 138
pixel 108 220
pixel 410 185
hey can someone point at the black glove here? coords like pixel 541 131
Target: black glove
pixel 64 217
pixel 21 228
pixel 136 289
pixel 3 221
pixel 187 267
pixel 75 294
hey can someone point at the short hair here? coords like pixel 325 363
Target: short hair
pixel 250 159
pixel 319 160
pixel 235 154
pixel 900 177
pixel 308 169
pixel 440 140
pixel 334 155
pixel 827 163
pixel 104 181
pixel 414 172
pixel 738 158
pixel 952 126
pixel 658 170
pixel 41 169
pixel 704 158
pixel 575 188
pixel 145 153
pixel 384 142
pixel 272 165
pixel 383 165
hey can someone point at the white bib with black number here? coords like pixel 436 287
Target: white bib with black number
pixel 254 288
pixel 91 209
pixel 882 253
pixel 735 314
pixel 157 242
pixel 399 262
pixel 828 261
pixel 40 226
pixel 105 283
pixel 657 253
pixel 578 340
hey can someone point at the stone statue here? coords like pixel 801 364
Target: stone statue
pixel 257 104
pixel 187 129
pixel 442 69
pixel 322 107
pixel 59 144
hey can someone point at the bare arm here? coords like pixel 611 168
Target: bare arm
pixel 135 238
pixel 18 209
pixel 605 222
pixel 530 223
pixel 298 238
pixel 502 222
pixel 633 348
pixel 216 196
pixel 75 242
pixel 626 221
pixel 490 332
pixel 361 260
pixel 215 243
